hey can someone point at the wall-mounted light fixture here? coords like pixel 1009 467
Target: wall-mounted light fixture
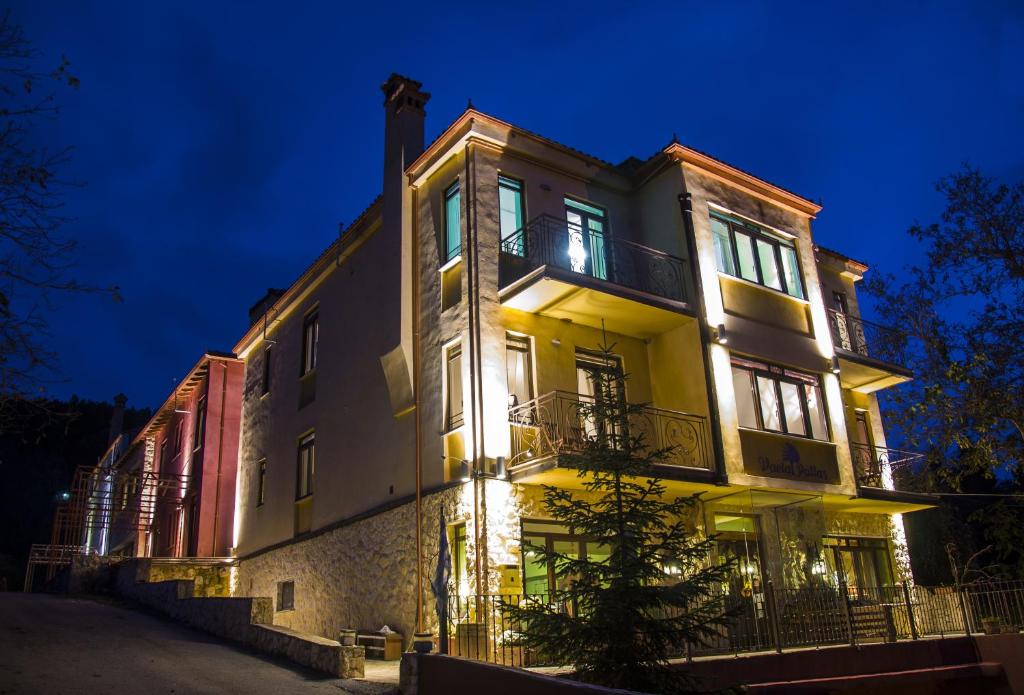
pixel 465 475
pixel 500 471
pixel 513 400
pixel 718 334
pixel 834 364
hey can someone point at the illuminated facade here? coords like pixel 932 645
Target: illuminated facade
pixel 168 490
pixel 444 343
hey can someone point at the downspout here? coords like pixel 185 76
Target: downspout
pixel 220 451
pixel 686 207
pixel 414 239
pixel 476 405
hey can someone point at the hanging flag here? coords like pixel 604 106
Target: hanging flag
pixel 442 572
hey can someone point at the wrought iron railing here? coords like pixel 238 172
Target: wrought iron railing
pixel 855 335
pixel 558 423
pixel 764 618
pixel 874 465
pixel 550 241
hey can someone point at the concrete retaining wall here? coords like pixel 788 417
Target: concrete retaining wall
pixel 244 620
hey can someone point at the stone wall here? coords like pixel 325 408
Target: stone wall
pixel 209 578
pixel 360 575
pixel 244 620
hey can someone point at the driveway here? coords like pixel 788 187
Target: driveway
pixel 56 644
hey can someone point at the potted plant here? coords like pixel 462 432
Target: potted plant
pixel 347 638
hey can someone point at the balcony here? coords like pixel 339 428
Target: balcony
pixel 558 269
pixel 877 471
pixel 553 424
pixel 871 355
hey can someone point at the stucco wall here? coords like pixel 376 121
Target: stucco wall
pixel 364 454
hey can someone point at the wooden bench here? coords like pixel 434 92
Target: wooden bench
pixel 379 645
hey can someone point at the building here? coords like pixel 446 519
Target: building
pixel 434 358
pixel 168 489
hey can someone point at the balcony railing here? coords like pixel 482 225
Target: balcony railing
pixel 870 463
pixel 550 241
pixel 853 334
pixel 554 424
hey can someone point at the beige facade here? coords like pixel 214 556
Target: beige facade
pixel 434 302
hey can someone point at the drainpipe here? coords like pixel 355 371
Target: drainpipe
pixel 220 450
pixel 686 207
pixel 414 227
pixel 476 401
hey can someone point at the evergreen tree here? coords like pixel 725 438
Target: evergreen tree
pixel 618 619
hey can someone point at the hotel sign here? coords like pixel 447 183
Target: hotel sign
pixel 790 458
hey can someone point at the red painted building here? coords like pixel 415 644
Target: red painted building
pixel 175 489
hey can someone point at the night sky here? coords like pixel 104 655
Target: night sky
pixel 223 143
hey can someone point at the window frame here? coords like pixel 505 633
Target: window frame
pixel 522 344
pixel 199 424
pixel 280 606
pixel 261 482
pixel 453 190
pixel 178 436
pixel 452 421
pixel 307 442
pixel 265 379
pixel 517 186
pixel 308 359
pixel 777 374
pixel 775 241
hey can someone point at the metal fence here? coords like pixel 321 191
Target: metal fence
pixel 558 423
pixel 854 334
pixel 482 627
pixel 551 241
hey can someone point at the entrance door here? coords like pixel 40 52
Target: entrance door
pixel 739 541
pixel 587 227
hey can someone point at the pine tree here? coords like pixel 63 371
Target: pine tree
pixel 619 619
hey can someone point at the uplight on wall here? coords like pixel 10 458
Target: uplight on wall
pixel 718 334
pixel 834 364
pixel 500 470
pixel 464 473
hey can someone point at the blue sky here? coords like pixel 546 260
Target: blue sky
pixel 222 143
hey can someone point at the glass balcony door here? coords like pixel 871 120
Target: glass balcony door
pixel 587 226
pixel 598 380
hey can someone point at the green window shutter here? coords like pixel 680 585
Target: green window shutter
pixel 453 221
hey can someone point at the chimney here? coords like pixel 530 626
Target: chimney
pixel 117 418
pixel 404 115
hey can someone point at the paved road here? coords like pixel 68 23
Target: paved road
pixel 54 644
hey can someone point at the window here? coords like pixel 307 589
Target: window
pixel 776 399
pixel 453 406
pixel 538 576
pixel 286 596
pixel 747 251
pixel 307 461
pixel 265 384
pixel 177 438
pixel 261 483
pixel 460 572
pixel 858 562
pixel 519 369
pixel 510 214
pixel 200 423
pixel 452 222
pixel 310 339
pixel 586 225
